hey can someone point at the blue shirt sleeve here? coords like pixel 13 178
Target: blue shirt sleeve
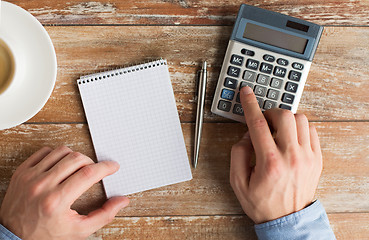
pixel 309 223
pixel 5 234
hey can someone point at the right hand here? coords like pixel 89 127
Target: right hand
pixel 37 203
pixel 288 162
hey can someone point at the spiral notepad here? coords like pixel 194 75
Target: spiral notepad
pixel 133 120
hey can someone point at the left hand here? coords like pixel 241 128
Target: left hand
pixel 38 202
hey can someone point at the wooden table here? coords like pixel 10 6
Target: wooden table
pixel 100 35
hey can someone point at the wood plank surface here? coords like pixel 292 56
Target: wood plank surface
pixel 194 12
pixel 343 186
pixel 92 36
pixel 344 225
pixel 336 88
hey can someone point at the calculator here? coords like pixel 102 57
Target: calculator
pixel 269 52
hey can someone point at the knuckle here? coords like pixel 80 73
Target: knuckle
pixel 273 165
pixel 23 176
pixel 108 216
pixel 80 158
pixel 46 148
pixel 301 117
pixel 49 203
pixel 237 183
pixel 87 171
pixel 286 115
pixel 35 189
pixel 271 156
pixel 63 149
pixel 17 174
pixel 258 123
pixel 295 160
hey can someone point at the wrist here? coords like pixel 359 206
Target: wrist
pixel 273 213
pixel 279 220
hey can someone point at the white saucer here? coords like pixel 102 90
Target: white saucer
pixel 35 84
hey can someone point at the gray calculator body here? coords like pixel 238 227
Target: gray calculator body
pixel 269 52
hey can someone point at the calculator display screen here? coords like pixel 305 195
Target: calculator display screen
pixel 275 38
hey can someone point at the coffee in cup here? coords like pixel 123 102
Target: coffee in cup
pixel 7 66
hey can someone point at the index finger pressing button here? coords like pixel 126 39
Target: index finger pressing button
pixel 260 134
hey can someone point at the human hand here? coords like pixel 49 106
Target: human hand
pixel 42 190
pixel 288 162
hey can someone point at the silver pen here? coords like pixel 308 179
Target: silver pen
pixel 200 112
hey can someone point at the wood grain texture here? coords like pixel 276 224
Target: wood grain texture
pixel 336 88
pixel 194 12
pixel 92 36
pixel 342 187
pixel 345 226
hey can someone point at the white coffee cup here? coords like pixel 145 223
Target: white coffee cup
pixel 15 53
pixel 35 66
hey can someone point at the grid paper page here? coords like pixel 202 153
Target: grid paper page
pixel 133 119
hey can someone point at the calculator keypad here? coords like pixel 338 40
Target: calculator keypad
pixel 275 80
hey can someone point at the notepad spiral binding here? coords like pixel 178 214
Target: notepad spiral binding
pixel 120 71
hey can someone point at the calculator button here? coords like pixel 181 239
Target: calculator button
pixel 263 79
pixel 224 105
pixel 266 68
pixel 244 84
pixel 285 107
pixel 236 60
pixel 291 87
pixel 280 72
pixel 227 94
pixel 282 61
pixel 260 91
pixel 252 64
pixel 230 83
pixel 237 109
pixel 269 104
pixel 247 52
pixel 273 94
pixel 234 71
pixel 249 76
pixel 276 83
pixel 294 75
pixel 288 98
pixel 297 66
pixel 268 58
pixel 260 102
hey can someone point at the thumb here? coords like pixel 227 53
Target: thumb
pixel 104 215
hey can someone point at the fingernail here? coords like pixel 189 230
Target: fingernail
pixel 125 202
pixel 246 90
pixel 115 163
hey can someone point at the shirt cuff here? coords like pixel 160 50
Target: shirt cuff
pixel 5 234
pixel 309 223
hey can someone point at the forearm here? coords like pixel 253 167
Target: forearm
pixel 309 223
